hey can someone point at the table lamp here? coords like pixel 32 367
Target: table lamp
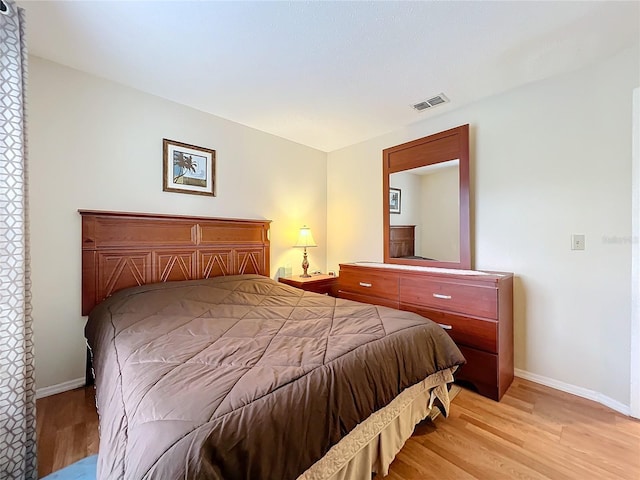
pixel 305 239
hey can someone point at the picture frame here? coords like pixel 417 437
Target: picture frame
pixel 394 200
pixel 188 168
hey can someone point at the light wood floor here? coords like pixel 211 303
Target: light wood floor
pixel 67 427
pixel 535 432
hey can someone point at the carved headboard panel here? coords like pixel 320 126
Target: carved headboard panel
pixel 121 250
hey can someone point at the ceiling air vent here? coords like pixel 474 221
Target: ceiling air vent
pixel 432 102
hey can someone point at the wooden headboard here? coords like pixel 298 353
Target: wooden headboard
pixel 121 250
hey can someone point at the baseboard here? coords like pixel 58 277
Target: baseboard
pixel 60 387
pixel 575 390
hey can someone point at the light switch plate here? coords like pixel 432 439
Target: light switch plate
pixel 577 242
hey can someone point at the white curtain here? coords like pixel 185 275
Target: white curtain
pixel 17 386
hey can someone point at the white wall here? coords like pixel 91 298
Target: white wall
pixel 440 197
pixel 409 185
pixel 94 144
pixel 549 159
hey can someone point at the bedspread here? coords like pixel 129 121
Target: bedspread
pixel 242 377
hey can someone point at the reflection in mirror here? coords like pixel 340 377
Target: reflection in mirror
pixel 427 222
pixel 430 203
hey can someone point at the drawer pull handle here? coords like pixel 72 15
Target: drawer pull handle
pixel 444 297
pixel 445 326
pixel 363 284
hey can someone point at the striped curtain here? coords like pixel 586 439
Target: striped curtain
pixel 17 386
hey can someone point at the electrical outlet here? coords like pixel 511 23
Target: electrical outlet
pixel 577 242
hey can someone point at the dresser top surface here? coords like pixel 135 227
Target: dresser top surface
pixel 475 274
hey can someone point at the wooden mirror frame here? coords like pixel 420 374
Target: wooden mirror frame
pixel 436 148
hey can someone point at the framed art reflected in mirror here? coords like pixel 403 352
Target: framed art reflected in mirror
pixel 394 200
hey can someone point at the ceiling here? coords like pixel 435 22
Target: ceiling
pixel 327 74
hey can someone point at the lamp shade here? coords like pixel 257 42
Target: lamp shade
pixel 305 238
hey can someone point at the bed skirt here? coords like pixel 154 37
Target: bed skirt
pixel 373 444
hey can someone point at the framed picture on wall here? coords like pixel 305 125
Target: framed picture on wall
pixel 188 169
pixel 394 200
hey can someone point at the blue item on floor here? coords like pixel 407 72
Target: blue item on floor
pixel 84 469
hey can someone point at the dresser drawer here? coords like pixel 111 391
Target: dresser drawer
pixel 323 284
pixel 473 332
pixel 481 370
pixel 369 284
pixel 476 300
pixel 356 297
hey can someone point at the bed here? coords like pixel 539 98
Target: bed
pixel 206 368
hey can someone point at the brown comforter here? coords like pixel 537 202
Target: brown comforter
pixel 245 378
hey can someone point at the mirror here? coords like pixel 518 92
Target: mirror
pixel 426 201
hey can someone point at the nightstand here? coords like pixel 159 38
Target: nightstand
pixel 326 284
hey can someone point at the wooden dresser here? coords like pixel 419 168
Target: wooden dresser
pixel 475 309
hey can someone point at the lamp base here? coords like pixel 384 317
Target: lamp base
pixel 305 265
